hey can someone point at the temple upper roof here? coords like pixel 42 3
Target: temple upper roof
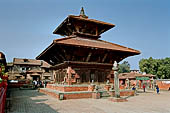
pixel 82 26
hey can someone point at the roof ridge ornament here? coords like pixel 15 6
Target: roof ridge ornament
pixel 82 13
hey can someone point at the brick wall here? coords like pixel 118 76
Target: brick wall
pixel 78 96
pixel 123 93
pixel 68 89
pixel 127 93
pixel 49 93
pixel 68 95
pixel 162 85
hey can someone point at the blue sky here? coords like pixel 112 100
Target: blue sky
pixel 26 26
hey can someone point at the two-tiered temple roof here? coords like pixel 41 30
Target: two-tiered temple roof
pixel 82 43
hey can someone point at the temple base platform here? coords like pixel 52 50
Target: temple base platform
pixel 64 92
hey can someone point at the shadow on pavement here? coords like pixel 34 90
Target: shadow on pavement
pixel 22 102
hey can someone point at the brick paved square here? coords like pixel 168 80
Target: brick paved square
pixel 31 101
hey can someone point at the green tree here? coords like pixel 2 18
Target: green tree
pixel 124 67
pixel 158 67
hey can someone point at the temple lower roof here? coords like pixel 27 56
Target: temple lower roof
pixel 89 43
pixel 75 64
pixel 78 41
pixel 84 50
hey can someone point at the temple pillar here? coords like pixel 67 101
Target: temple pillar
pixel 116 80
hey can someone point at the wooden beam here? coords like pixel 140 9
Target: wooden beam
pixel 73 57
pixel 57 58
pixel 97 32
pixel 50 61
pixel 105 56
pixel 88 57
pixel 69 29
pixel 63 50
pixel 99 58
pixel 62 56
pixel 53 55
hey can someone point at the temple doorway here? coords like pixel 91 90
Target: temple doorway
pixel 36 77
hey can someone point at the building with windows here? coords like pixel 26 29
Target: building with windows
pixel 30 69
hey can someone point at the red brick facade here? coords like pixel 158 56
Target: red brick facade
pixel 68 88
pixel 163 85
pixel 78 92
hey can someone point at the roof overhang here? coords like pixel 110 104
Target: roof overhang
pixel 89 43
pixel 68 25
pixel 62 49
pixel 75 64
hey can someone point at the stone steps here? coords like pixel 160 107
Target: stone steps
pixel 104 94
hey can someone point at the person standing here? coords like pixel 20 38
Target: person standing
pixel 143 87
pixel 157 89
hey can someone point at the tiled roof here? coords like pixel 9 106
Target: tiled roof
pixel 77 41
pixel 26 61
pixel 34 71
pixel 45 64
pixel 91 20
pixel 104 26
pixel 85 42
pixel 20 61
pixel 134 75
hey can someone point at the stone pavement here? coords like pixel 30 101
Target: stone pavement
pixel 31 101
pixel 22 102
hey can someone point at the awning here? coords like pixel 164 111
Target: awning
pixel 142 78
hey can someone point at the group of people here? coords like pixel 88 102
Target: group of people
pixel 38 84
pixel 144 87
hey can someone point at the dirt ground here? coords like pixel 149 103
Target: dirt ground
pixel 31 101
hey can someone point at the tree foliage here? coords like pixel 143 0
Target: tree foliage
pixel 124 67
pixel 158 67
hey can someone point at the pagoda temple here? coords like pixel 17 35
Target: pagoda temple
pixel 80 56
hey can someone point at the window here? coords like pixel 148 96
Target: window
pixel 22 68
pixel 46 77
pixel 25 60
pixel 47 70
